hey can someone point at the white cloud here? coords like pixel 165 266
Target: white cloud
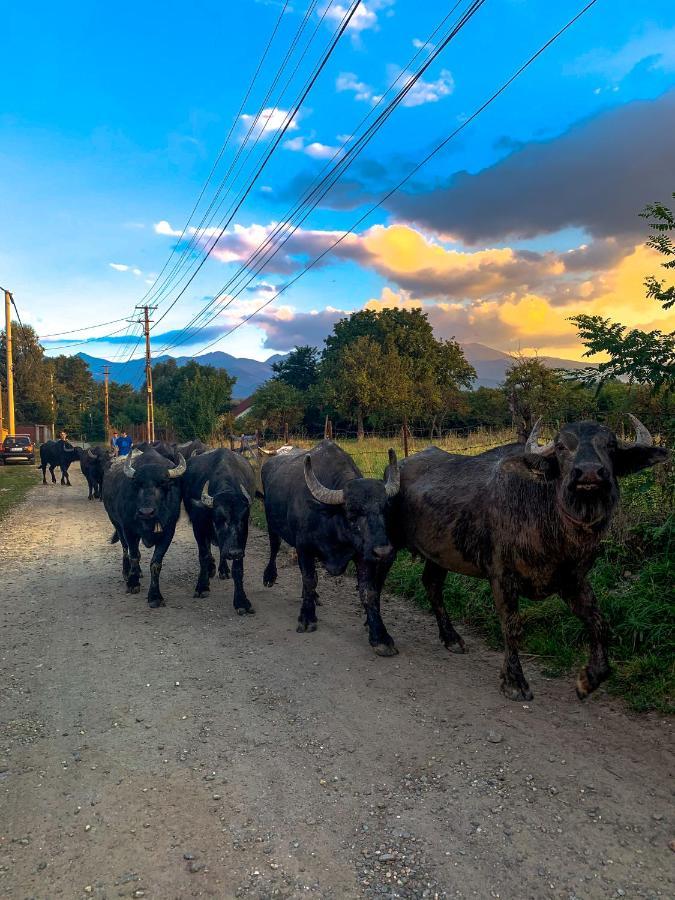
pixel 163 227
pixel 418 44
pixel 296 144
pixel 655 45
pixel 119 267
pixel 315 149
pixel 348 81
pixel 271 119
pixel 424 91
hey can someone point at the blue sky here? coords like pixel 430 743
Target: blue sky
pixel 111 119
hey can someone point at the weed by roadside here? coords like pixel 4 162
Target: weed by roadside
pixel 15 481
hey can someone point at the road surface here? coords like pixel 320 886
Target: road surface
pixel 185 752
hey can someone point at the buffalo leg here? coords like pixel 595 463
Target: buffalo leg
pixel 583 604
pixel 134 576
pixel 241 602
pixel 44 473
pixel 513 683
pixel 370 580
pixel 223 568
pixel 126 565
pixel 51 472
pixel 433 579
pixel 270 574
pixel 205 561
pixel 307 617
pixel 155 598
pixel 91 489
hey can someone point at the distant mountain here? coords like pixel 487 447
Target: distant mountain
pixel 250 373
pixel 490 365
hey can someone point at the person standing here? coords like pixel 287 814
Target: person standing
pixel 124 444
pixel 114 440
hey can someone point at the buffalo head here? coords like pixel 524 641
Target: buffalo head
pixel 230 512
pixel 585 458
pixel 363 502
pixel 153 483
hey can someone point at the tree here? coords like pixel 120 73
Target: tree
pixel 276 404
pixel 300 369
pixel 531 390
pixel 356 387
pixel 643 357
pixel 32 402
pixel 203 398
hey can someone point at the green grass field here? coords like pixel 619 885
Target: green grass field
pixel 633 579
pixel 15 480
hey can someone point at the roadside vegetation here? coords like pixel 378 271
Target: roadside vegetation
pixel 15 481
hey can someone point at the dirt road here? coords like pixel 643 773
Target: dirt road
pixel 186 752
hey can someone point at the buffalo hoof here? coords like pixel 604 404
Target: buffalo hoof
pixel 269 576
pixel 212 570
pixel 133 588
pixel 223 576
pixel 305 627
pixel 156 602
pixel 456 647
pixel 200 594
pixel 513 692
pixel 385 649
pixel 245 611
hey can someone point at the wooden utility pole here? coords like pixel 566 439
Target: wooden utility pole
pixel 10 363
pixel 53 405
pixel 1 420
pixel 145 321
pixel 106 403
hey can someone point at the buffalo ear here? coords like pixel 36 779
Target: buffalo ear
pixel 636 457
pixel 534 464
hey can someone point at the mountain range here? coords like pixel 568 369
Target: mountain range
pixel 490 366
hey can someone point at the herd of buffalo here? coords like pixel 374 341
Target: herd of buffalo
pixel 528 518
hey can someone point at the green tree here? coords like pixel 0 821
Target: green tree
pixel 300 369
pixel 643 357
pixel 203 398
pixel 531 389
pixel 276 404
pixel 31 375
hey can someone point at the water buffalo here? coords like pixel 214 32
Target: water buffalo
pixel 170 450
pixel 93 462
pixel 319 503
pixel 142 496
pixel 217 491
pixel 57 453
pixel 529 519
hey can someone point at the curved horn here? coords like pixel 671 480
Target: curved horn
pixel 642 436
pixel 317 490
pixel 393 482
pixel 179 469
pixel 129 470
pixel 267 452
pixel 531 444
pixel 90 454
pixel 206 498
pixel 246 494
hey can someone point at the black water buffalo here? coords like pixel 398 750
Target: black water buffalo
pixel 217 491
pixel 529 519
pixel 319 503
pixel 57 453
pixel 170 450
pixel 142 496
pixel 93 462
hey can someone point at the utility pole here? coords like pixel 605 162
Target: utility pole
pixel 145 321
pixel 10 363
pixel 106 407
pixel 51 399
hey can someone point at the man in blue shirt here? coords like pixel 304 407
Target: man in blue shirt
pixel 124 444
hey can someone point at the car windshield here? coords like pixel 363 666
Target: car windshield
pixel 17 441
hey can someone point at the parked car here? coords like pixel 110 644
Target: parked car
pixel 19 447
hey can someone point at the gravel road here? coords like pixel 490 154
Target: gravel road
pixel 187 752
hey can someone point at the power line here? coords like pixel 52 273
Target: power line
pixel 289 118
pixel 316 194
pixel 223 147
pixel 413 172
pixel 84 328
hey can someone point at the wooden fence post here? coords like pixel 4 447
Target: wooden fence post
pixel 285 432
pixel 405 438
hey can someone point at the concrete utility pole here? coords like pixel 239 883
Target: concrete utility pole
pixel 10 363
pixel 52 404
pixel 106 407
pixel 148 371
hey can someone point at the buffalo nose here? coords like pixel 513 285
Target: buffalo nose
pixel 590 474
pixel 383 551
pixel 146 512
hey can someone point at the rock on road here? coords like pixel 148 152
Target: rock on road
pixel 187 752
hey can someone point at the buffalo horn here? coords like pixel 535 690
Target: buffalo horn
pixel 206 498
pixel 531 445
pixel 129 470
pixel 317 490
pixel 179 469
pixel 393 482
pixel 642 435
pixel 90 454
pixel 246 494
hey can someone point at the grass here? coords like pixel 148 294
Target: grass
pixel 633 580
pixel 15 481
